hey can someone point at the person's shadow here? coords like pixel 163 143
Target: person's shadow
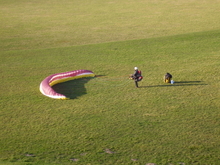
pixel 72 89
pixel 177 83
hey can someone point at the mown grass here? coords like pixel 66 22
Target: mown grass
pixel 39 24
pixel 158 122
pixel 108 120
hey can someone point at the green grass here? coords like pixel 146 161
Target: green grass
pixel 39 24
pixel 157 123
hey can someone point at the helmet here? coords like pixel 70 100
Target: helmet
pixel 135 68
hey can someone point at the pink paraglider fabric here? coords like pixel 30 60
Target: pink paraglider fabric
pixel 46 85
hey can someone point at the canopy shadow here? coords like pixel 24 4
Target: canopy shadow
pixel 72 89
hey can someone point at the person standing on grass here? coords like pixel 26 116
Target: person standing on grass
pixel 136 76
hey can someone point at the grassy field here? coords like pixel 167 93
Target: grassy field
pixel 107 120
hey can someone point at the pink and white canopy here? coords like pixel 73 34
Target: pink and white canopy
pixel 48 82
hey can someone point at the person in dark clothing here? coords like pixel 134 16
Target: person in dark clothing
pixel 136 76
pixel 167 78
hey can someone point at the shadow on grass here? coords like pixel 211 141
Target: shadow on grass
pixel 177 83
pixel 73 88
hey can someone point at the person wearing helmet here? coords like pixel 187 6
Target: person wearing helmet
pixel 136 76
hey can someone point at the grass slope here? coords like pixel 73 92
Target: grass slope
pixel 108 121
pixel 43 24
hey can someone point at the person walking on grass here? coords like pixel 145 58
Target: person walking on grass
pixel 136 76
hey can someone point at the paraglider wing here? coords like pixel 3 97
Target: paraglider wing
pixel 46 85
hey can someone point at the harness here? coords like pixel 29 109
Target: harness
pixel 139 77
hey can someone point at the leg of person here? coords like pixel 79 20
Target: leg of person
pixel 136 83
